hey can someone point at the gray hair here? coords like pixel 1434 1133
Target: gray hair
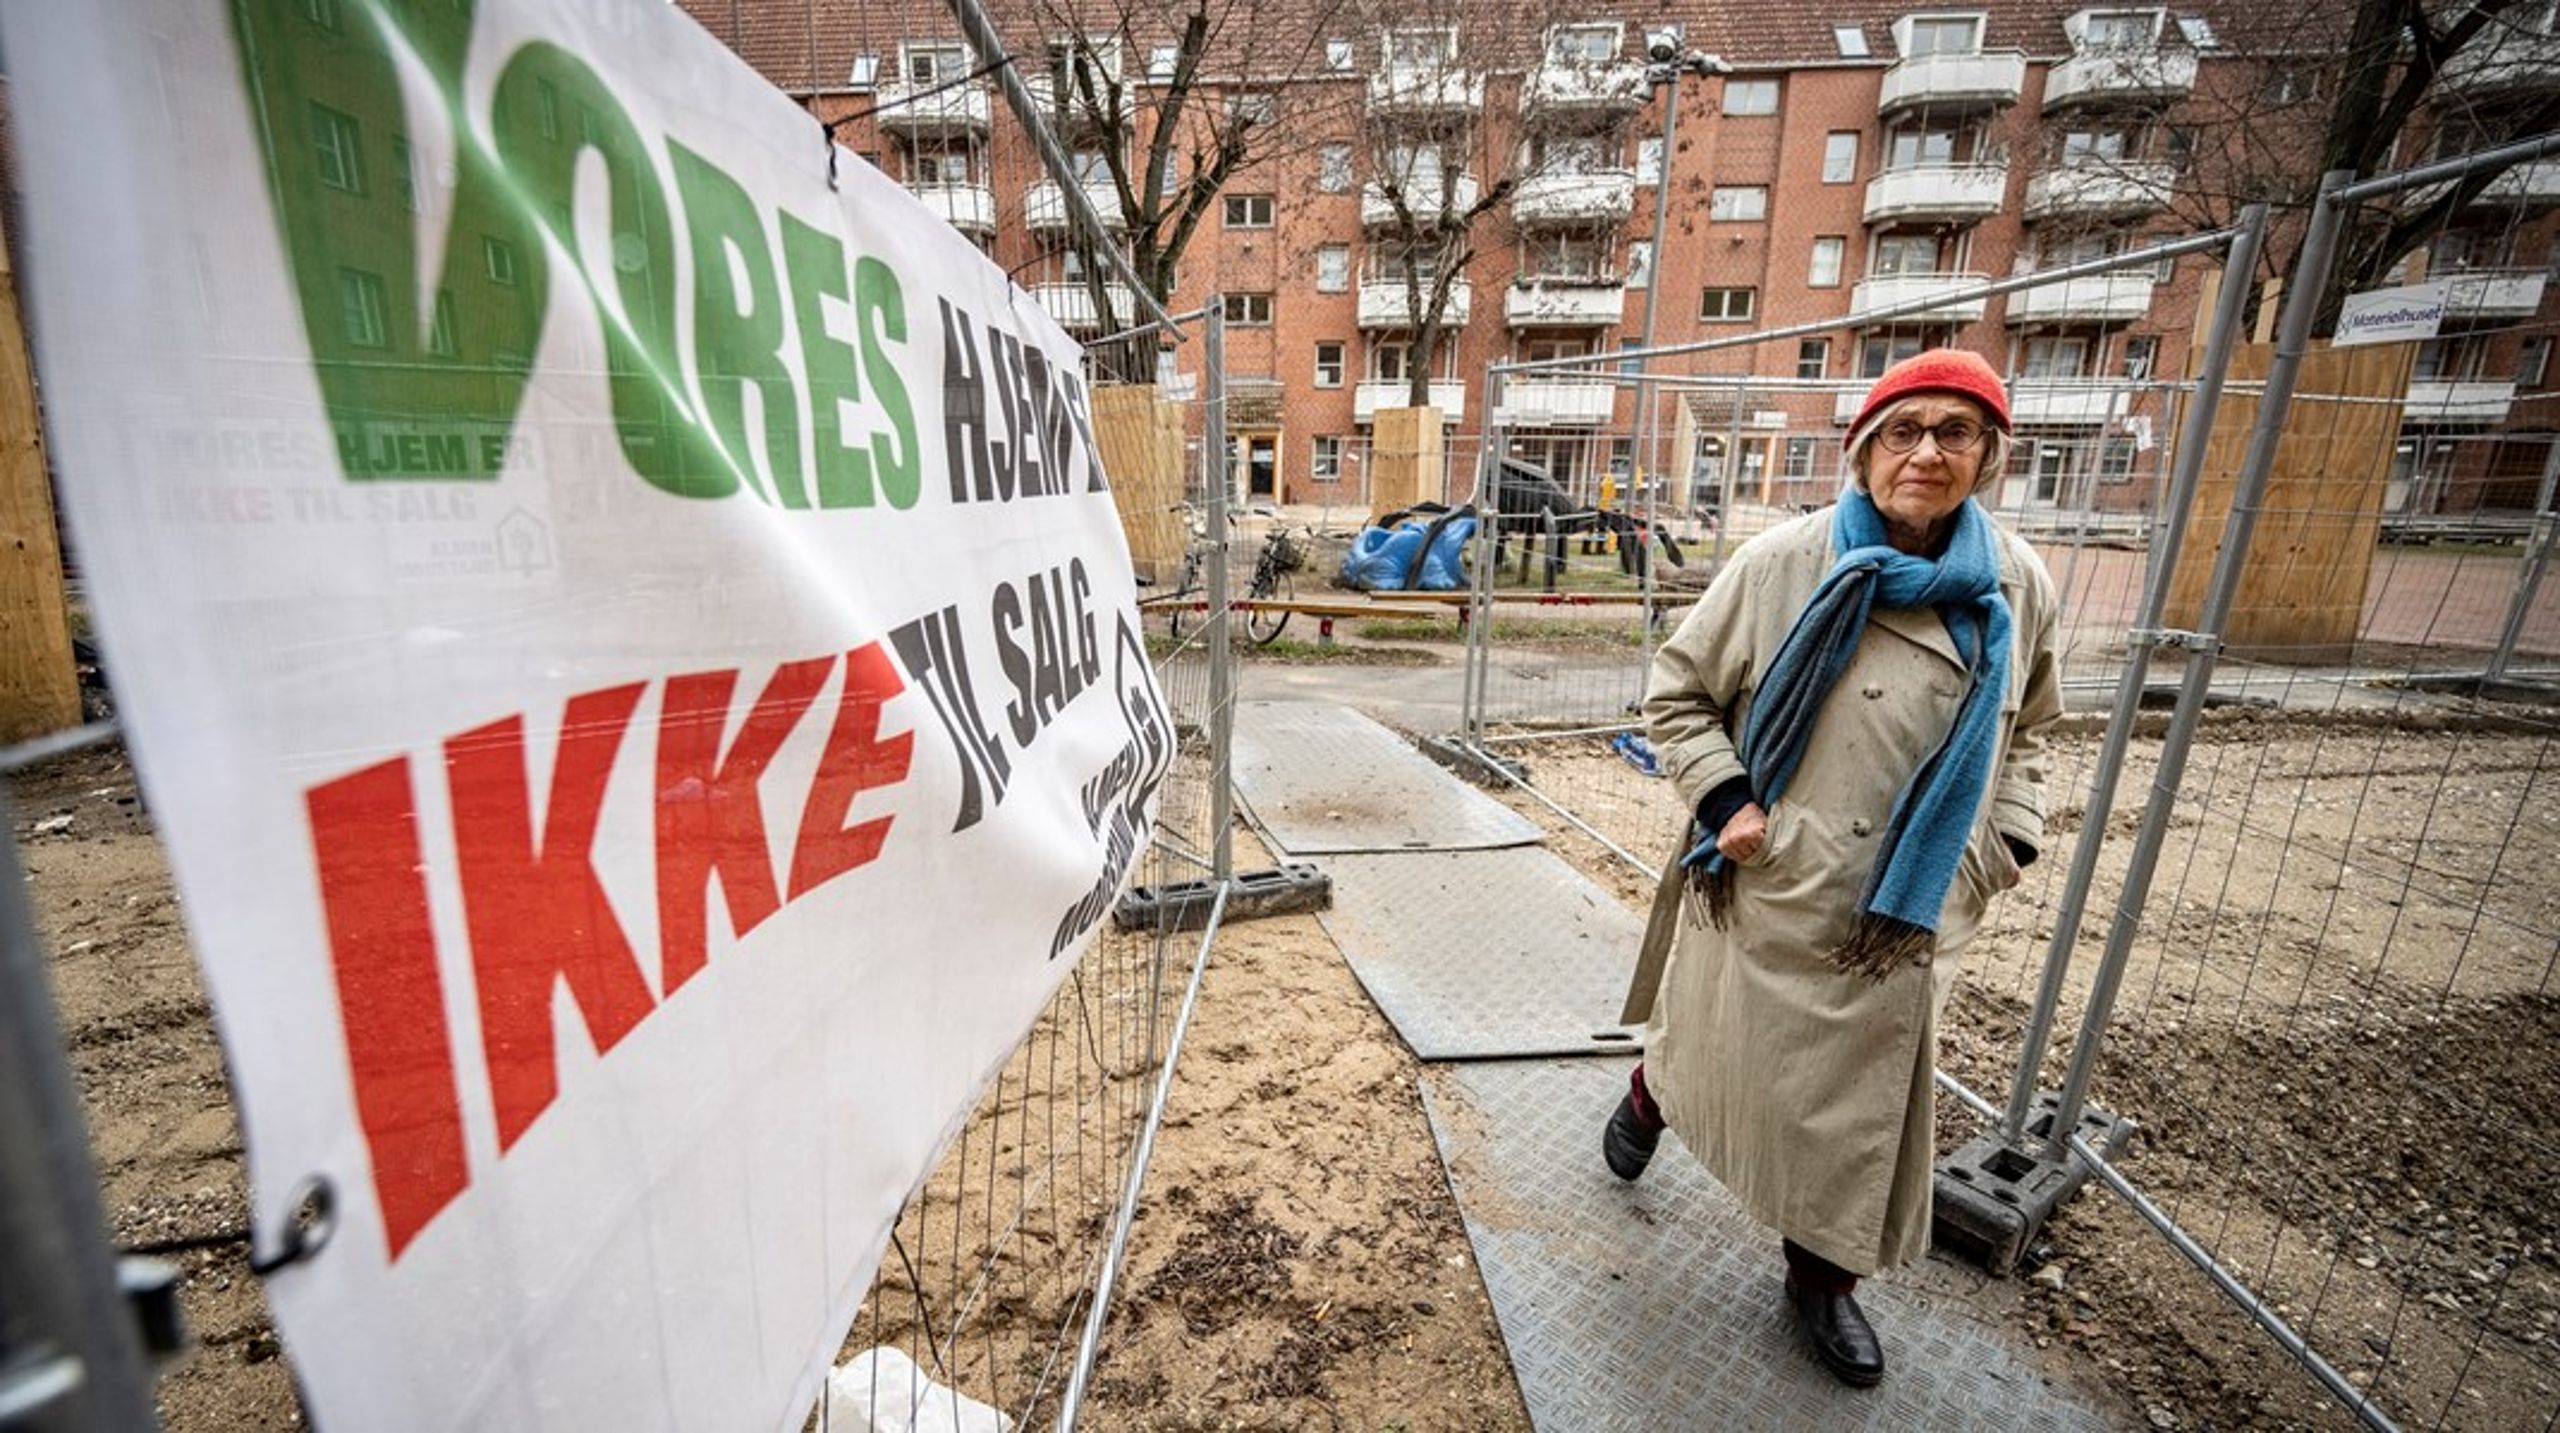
pixel 1996 444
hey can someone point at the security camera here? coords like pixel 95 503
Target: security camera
pixel 1661 49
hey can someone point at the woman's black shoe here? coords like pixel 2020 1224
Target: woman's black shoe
pixel 1628 1141
pixel 1841 1336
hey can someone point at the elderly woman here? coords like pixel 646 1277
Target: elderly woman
pixel 1855 712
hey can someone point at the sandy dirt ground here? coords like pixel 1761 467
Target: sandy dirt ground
pixel 2342 1047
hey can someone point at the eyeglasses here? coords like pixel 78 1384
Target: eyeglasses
pixel 1954 435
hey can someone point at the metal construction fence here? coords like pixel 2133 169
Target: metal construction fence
pixel 2307 956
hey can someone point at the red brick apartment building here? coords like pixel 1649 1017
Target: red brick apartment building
pixel 1852 155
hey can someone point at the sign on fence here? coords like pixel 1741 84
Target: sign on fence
pixel 2406 314
pixel 625 633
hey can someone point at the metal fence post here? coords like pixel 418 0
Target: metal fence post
pixel 2169 534
pixel 2537 557
pixel 2310 279
pixel 69 1358
pixel 1473 696
pixel 1222 651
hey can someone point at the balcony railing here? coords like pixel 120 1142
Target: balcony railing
pixel 1384 304
pixel 1962 192
pixel 1953 82
pixel 970 208
pixel 1447 395
pixel 2492 293
pixel 1426 195
pixel 1602 196
pixel 2143 76
pixel 1425 89
pixel 906 107
pixel 1561 89
pixel 2062 403
pixel 1044 205
pixel 1885 290
pixel 2100 189
pixel 2458 400
pixel 1598 303
pixel 1072 305
pixel 2096 298
pixel 1557 403
pixel 2494 64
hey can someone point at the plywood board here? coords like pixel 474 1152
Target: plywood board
pixel 1139 432
pixel 39 691
pixel 1406 461
pixel 2302 592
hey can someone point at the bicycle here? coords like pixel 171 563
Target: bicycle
pixel 1273 581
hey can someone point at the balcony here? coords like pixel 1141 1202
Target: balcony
pixel 1556 403
pixel 1420 90
pixel 1384 304
pixel 1888 290
pixel 2532 185
pixel 1425 194
pixel 2492 293
pixel 1044 205
pixel 2458 401
pixel 905 108
pixel 1580 90
pixel 1953 82
pixel 1564 303
pixel 2098 298
pixel 1072 305
pixel 969 208
pixel 1961 193
pixel 2103 189
pixel 1602 196
pixel 2052 403
pixel 2500 66
pixel 1447 395
pixel 2097 77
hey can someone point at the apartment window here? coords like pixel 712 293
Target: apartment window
pixel 2532 358
pixel 2140 354
pixel 1582 44
pixel 2115 459
pixel 2119 30
pixel 1333 268
pixel 1813 358
pixel 1851 40
pixel 1824 271
pixel 1883 350
pixel 1944 35
pixel 1248 310
pixel 2093 147
pixel 364 309
pixel 2056 358
pixel 1649 160
pixel 1751 97
pixel 1726 305
pixel 442 342
pixel 1640 264
pixel 2198 30
pixel 1337 55
pixel 2291 86
pixel 1161 62
pixel 341 153
pixel 1329 365
pixel 933 64
pixel 1563 254
pixel 1420 49
pixel 1333 169
pixel 1906 254
pixel 1738 202
pixel 1415 169
pixel 1253 109
pixel 865 73
pixel 1248 211
pixel 1911 148
pixel 1092 167
pixel 1324 459
pixel 2182 147
pixel 1840 156
pixel 500 257
pixel 942 167
pixel 1799 459
pixel 1573 154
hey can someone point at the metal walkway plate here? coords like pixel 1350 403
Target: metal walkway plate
pixel 1661 1304
pixel 1323 779
pixel 1478 954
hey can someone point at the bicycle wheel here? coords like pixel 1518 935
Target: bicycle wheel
pixel 1263 624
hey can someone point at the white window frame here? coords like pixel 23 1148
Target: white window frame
pixel 1836 247
pixel 1234 204
pixel 1717 304
pixel 1839 162
pixel 1333 169
pixel 1851 42
pixel 1339 55
pixel 943 62
pixel 1738 204
pixel 1649 160
pixel 1814 353
pixel 1906 31
pixel 1341 364
pixel 1333 277
pixel 1615 33
pixel 1248 310
pixel 1324 458
pixel 1640 264
pixel 1759 92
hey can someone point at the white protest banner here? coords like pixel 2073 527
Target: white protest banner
pixel 2412 311
pixel 626 638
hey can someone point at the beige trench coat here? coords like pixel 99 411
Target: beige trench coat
pixel 1807 1091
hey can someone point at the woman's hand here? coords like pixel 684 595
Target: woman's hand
pixel 2002 864
pixel 1744 835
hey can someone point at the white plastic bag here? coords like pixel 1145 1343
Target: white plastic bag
pixel 881 1390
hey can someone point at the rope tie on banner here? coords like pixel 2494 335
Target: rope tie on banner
pixel 831 127
pixel 315 1218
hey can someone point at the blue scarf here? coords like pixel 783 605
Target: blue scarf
pixel 1934 814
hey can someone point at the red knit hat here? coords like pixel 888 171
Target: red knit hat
pixel 1939 370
